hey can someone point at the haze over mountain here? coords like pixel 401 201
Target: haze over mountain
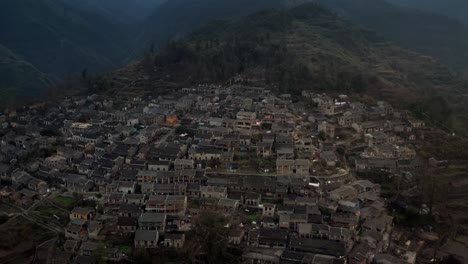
pixel 456 9
pixel 435 35
pixel 126 11
pixel 176 18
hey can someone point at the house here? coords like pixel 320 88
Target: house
pixel 376 164
pixel 127 224
pixel 270 238
pixel 24 179
pixel 327 129
pixel 137 199
pixel 152 221
pixel 174 240
pixel 76 229
pixel 415 123
pixel 88 249
pixel 78 183
pixel 284 151
pixel 216 192
pixel 159 165
pixel 360 254
pixel 236 236
pixel 363 186
pixel 115 199
pixel 293 167
pixel 269 222
pixel 184 164
pixel 71 246
pixel 205 154
pixel 244 115
pixel 323 231
pixel 170 204
pixel 381 224
pixel 130 210
pixel 291 221
pixel 228 205
pixel 268 209
pixel 193 190
pixel 82 213
pixel 345 192
pixel 146 239
pixel 350 117
pixel 170 188
pixel 385 258
pixel 318 246
pixel 252 199
pixel 94 227
pixel 329 157
pixel 264 149
pixel 55 161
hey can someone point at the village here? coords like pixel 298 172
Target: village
pixel 311 180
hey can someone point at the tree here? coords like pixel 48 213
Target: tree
pixel 322 135
pixel 84 74
pixel 210 237
pixel 141 255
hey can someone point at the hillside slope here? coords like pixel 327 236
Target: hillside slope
pixel 19 79
pixel 310 48
pixel 60 39
pixel 177 18
pixel 427 33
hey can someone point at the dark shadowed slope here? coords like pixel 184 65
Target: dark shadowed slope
pixel 19 79
pixel 60 39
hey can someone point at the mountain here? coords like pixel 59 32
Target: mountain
pixel 307 47
pixel 177 18
pixel 427 33
pixel 60 39
pixel 20 79
pixel 126 11
pixel 456 9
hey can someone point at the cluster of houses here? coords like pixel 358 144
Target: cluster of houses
pixel 281 167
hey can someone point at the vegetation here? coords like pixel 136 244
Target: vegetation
pixel 64 201
pixel 210 239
